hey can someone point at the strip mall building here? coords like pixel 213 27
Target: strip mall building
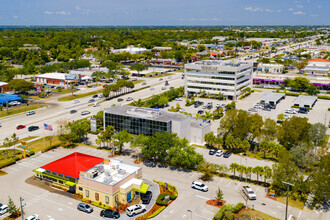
pixel 96 179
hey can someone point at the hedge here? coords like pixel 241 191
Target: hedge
pixel 291 94
pixel 160 199
pixel 156 212
pixel 10 162
pixel 237 208
pixel 323 97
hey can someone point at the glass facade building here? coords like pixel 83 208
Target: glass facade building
pixel 135 125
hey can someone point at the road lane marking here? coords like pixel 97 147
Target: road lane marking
pixel 279 206
pixel 60 209
pixel 208 211
pixel 202 197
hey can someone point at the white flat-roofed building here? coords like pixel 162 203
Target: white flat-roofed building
pixel 130 49
pixel 318 67
pixel 270 68
pixel 305 101
pixel 214 77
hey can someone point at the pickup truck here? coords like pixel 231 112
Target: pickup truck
pixel 146 198
pixel 249 192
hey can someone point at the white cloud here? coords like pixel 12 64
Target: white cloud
pixel 279 10
pixel 314 15
pixel 48 12
pixel 269 10
pixel 298 13
pixel 300 6
pixel 290 9
pixel 253 9
pixel 15 16
pixel 63 13
pixel 77 8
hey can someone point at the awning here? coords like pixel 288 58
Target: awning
pixel 144 188
pixel 69 183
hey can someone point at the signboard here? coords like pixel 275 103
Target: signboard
pixel 38 88
pixel 93 124
pixel 70 76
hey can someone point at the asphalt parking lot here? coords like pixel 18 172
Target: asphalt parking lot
pixel 55 206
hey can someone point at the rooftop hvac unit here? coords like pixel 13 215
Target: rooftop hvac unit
pixel 100 168
pixel 107 179
pixel 122 171
pixel 117 167
pixel 89 175
pixel 113 167
pixel 95 173
pixel 107 173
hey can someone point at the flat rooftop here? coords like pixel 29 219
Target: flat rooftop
pixel 219 64
pixel 112 173
pixel 146 113
pixel 305 100
pixel 272 97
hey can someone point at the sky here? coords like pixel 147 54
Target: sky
pixel 164 12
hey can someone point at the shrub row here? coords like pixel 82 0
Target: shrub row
pixel 160 199
pixel 292 94
pixel 323 97
pixel 226 211
pixel 156 212
pixel 237 208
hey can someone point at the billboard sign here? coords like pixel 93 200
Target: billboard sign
pixel 70 76
pixel 38 88
pixel 93 124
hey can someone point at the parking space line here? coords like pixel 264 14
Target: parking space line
pixel 228 183
pixel 219 182
pixel 26 165
pixel 207 211
pixel 257 189
pixel 237 185
pixel 12 168
pixel 202 216
pixel 202 197
pixel 193 174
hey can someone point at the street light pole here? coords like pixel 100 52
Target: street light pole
pixel 190 214
pixel 287 198
pixel 22 212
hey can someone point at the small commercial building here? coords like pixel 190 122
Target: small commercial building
pixel 60 79
pixel 130 49
pixel 272 98
pixel 95 179
pixel 3 87
pixel 305 101
pixel 318 67
pixel 147 121
pixel 270 68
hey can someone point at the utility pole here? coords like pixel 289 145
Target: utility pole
pixel 287 198
pixel 22 212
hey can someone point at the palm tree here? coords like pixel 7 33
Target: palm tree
pixel 249 171
pixel 233 167
pixel 241 169
pixel 258 170
pixel 15 139
pixel 267 173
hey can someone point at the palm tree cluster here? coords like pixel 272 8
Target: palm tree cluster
pixel 120 87
pixel 265 171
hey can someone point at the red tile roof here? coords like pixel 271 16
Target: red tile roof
pixel 319 60
pixel 72 164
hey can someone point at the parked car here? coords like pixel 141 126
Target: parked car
pixel 84 207
pixel 134 79
pixel 146 197
pixel 91 100
pixel 227 154
pixel 33 128
pixel 96 104
pixel 33 217
pixel 253 110
pixel 178 99
pixel 73 111
pixel 166 83
pixel 287 116
pixel 152 88
pixel 249 192
pixel 30 113
pixel 200 112
pixel 86 112
pixel 212 151
pixel 291 111
pixel 199 186
pixel 266 109
pixel 120 100
pixel 76 101
pixel 101 96
pixel 163 88
pixel 108 213
pixel 129 99
pixel 303 111
pixel 135 209
pixel 20 127
pixel 94 96
pixel 144 83
pixel 3 209
pixel 219 153
pixel 161 79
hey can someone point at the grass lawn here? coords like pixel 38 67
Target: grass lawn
pixel 38 145
pixel 5 155
pixel 254 214
pixel 294 203
pixel 70 97
pixel 260 155
pixel 257 90
pixel 62 90
pixel 19 109
pixel 160 75
pixel 138 81
pixel 24 139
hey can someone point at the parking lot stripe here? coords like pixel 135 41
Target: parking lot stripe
pixel 202 197
pixel 219 182
pixel 202 216
pixel 257 189
pixel 207 211
pixel 24 164
pixel 228 183
pixel 12 168
pixel 237 185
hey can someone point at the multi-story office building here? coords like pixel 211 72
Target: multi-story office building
pixel 214 77
pixel 137 120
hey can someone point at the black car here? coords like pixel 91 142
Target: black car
pixel 271 106
pixel 212 151
pixel 146 197
pixel 33 128
pixel 200 112
pixel 227 154
pixel 94 96
pixel 108 213
pixel 91 100
pixel 266 109
pixel 303 110
pixel 73 111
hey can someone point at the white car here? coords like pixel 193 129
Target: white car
pixel 199 186
pixel 33 217
pixel 101 96
pixel 219 153
pixel 129 99
pixel 85 112
pixel 178 99
pixel 287 116
pixel 30 113
pixel 249 193
pixel 135 209
pixel 76 101
pixel 182 110
pixel 291 111
pixel 96 104
pixel 3 209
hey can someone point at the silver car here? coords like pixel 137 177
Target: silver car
pixel 84 207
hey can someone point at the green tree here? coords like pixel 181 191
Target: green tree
pixel 233 167
pixel 300 65
pixel 121 138
pixel 255 129
pixel 269 130
pixel 264 147
pixel 138 142
pixel 208 170
pixel 14 139
pixel 241 170
pixel 301 156
pixel 312 90
pixel 219 195
pixel 210 138
pixel 12 209
pixel 280 117
pixel 138 67
pixel 317 132
pixel 20 85
pixel 249 171
pixel 107 134
pixel 299 83
pixel 80 127
pixel 267 173
pixel 258 170
pixel 201 47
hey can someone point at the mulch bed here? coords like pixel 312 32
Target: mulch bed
pixel 2 173
pixel 138 161
pixel 271 197
pixel 214 203
pixel 113 155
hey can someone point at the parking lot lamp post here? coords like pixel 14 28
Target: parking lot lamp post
pixel 287 197
pixel 22 212
pixel 190 213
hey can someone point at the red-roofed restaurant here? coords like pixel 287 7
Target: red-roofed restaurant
pixel 94 178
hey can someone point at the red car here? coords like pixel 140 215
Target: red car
pixel 20 127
